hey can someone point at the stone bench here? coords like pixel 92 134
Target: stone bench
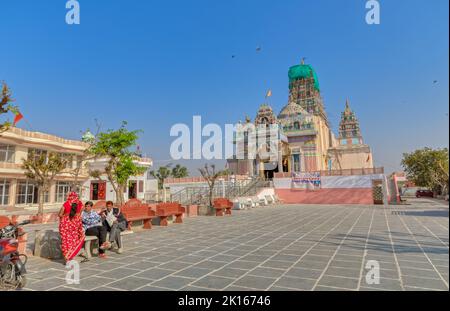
pixel 221 205
pixel 88 245
pixel 164 210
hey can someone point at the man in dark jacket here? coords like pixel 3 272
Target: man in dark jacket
pixel 115 223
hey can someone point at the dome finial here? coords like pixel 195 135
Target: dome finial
pixel 302 62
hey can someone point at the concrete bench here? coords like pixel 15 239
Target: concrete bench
pixel 221 204
pixel 89 239
pixel 164 210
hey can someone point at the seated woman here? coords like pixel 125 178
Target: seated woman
pixel 115 223
pixel 70 227
pixel 92 223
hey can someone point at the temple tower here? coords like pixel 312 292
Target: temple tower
pixel 304 89
pixel 349 131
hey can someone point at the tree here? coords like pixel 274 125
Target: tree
pixel 179 171
pixel 161 174
pixel 428 168
pixel 43 168
pixel 6 107
pixel 114 146
pixel 210 175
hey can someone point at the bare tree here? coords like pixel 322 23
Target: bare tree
pixel 210 175
pixel 43 169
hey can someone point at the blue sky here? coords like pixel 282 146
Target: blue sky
pixel 157 63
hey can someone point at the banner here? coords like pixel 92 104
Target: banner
pixel 307 181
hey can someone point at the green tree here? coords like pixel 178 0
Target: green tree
pixel 43 168
pixel 428 168
pixel 6 106
pixel 210 175
pixel 162 173
pixel 179 171
pixel 114 146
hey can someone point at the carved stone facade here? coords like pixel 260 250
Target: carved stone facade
pixel 307 143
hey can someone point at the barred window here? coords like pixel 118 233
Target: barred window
pixel 27 193
pixel 4 192
pixel 7 153
pixel 62 190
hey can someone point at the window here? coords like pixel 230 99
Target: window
pixel 7 153
pixel 344 142
pixel 62 190
pixel 4 192
pixel 67 157
pixel 27 193
pixel 37 153
pixel 296 160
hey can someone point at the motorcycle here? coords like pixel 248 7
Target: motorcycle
pixel 12 263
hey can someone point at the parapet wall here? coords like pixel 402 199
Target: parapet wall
pixel 330 190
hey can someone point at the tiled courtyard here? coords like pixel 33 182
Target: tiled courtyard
pixel 292 247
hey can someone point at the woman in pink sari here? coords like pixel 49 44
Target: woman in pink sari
pixel 70 227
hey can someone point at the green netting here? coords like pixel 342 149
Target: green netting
pixel 301 72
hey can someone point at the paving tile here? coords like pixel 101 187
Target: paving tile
pixel 154 273
pixel 213 282
pixel 340 282
pixel 295 283
pixel 192 272
pixel 172 282
pixel 424 283
pixel 229 272
pixel 130 283
pixel 256 282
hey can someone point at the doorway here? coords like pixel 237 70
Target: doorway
pixel 98 191
pixel 132 190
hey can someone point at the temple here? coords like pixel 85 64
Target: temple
pixel 306 142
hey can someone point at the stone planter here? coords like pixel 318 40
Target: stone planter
pixel 204 210
pixel 47 244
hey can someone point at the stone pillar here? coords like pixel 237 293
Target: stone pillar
pixel 12 192
pixel 52 193
pixel 280 160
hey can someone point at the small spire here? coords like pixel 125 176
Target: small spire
pixel 302 62
pixel 347 105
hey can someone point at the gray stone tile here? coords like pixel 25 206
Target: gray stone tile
pixel 241 264
pixel 340 282
pixel 130 283
pixel 345 272
pixel 256 282
pixel 154 273
pixel 424 283
pixel 118 273
pixel 213 282
pixel 277 264
pixel 267 272
pixel 304 273
pixel 229 272
pixel 212 265
pixel 192 272
pixel 295 283
pixel 172 282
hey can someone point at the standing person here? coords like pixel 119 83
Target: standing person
pixel 115 222
pixel 92 223
pixel 70 227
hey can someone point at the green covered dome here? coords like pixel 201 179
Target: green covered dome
pixel 303 71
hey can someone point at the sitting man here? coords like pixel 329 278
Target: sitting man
pixel 115 223
pixel 92 224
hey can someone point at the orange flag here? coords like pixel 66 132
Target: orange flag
pixel 269 93
pixel 17 118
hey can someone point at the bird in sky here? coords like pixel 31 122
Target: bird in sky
pixel 258 49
